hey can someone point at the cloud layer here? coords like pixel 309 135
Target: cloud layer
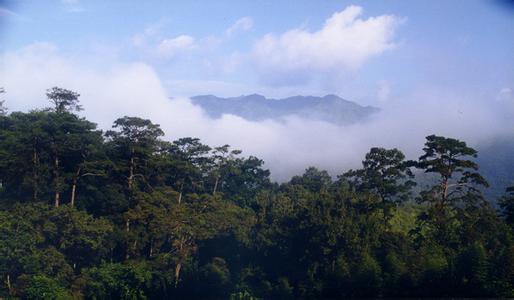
pixel 344 43
pixel 287 147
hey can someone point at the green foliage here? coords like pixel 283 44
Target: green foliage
pixel 117 281
pixel 385 174
pixel 43 287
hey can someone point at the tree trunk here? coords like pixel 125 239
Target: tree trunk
pixel 134 245
pixel 445 190
pixel 179 264
pixel 57 199
pixel 9 286
pixel 177 273
pixel 35 176
pixel 73 191
pixel 215 185
pixel 127 228
pixel 130 180
pixel 180 195
pixel 74 187
pixel 57 187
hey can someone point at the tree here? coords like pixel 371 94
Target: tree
pixel 447 159
pixel 187 165
pixel 72 140
pixel 455 202
pixel 385 173
pixel 507 206
pixel 243 178
pixel 222 159
pixel 313 180
pixel 134 143
pixel 24 138
pixel 63 100
pixel 84 155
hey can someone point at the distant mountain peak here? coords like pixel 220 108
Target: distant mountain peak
pixel 254 96
pixel 255 107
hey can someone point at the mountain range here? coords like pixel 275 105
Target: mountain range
pixel 330 108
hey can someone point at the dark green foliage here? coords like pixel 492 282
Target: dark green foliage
pixel 43 287
pixel 507 206
pixel 127 215
pixel 117 281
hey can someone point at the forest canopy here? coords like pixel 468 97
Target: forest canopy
pixel 126 214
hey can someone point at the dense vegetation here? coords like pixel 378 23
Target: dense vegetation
pixel 125 214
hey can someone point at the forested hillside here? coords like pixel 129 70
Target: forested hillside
pixel 123 214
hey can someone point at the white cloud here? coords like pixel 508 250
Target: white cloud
pixel 112 91
pixel 170 47
pixel 344 43
pixel 152 43
pixel 243 24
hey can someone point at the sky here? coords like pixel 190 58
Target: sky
pixel 443 67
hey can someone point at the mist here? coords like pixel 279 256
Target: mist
pixel 287 146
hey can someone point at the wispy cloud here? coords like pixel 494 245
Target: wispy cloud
pixel 154 43
pixel 170 47
pixel 243 24
pixel 4 12
pixel 73 6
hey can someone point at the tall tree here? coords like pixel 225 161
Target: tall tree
pixel 448 159
pixel 133 145
pixel 384 173
pixel 222 159
pixel 455 199
pixel 63 100
pixel 134 142
pixel 188 165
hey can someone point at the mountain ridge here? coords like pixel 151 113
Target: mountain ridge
pixel 255 107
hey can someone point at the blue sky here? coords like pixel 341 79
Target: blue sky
pixel 434 67
pixel 465 44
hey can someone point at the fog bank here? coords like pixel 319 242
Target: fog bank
pixel 287 146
